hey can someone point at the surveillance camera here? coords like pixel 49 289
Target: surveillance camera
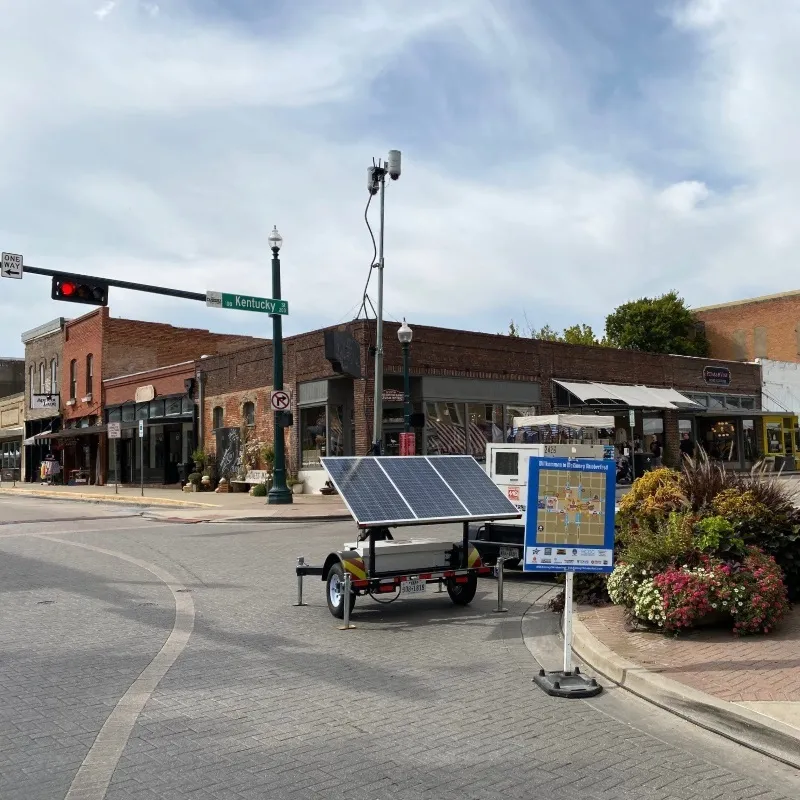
pixel 372 183
pixel 394 164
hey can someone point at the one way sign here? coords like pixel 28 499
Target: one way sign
pixel 12 266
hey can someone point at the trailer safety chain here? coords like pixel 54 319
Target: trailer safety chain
pixel 384 602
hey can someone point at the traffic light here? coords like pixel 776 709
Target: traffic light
pixel 79 290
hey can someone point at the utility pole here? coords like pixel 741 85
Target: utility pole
pixel 376 182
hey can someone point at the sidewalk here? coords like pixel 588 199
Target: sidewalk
pixel 163 503
pixel 747 688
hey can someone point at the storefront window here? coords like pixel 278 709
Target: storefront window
pixel 249 413
pixel 445 429
pixel 774 438
pixel 748 403
pixel 114 415
pixel 485 426
pixel 312 436
pixel 128 413
pixel 721 441
pixel 156 409
pixel 187 405
pixel 653 428
pixel 172 407
pixel 142 411
pixel 749 438
pixel 716 401
pixel 336 431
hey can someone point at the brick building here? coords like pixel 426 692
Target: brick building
pixel 761 327
pixel 767 330
pixel 467 388
pixel 98 347
pixel 12 382
pixel 44 347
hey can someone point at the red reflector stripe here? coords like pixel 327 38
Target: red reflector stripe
pixel 425 576
pixel 360 584
pixel 462 579
pixel 388 588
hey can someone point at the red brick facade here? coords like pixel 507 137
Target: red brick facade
pixel 165 381
pixel 764 327
pixel 234 379
pixel 121 347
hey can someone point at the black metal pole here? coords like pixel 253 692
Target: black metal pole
pixel 279 494
pixel 406 390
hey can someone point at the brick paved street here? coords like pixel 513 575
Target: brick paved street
pixel 741 669
pixel 421 700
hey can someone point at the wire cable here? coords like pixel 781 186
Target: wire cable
pixel 365 296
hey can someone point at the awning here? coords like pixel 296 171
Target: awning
pixel 566 421
pixel 42 435
pixel 69 433
pixel 627 395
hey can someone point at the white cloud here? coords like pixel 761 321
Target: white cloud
pixel 159 145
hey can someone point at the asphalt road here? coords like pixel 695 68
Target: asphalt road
pixel 148 660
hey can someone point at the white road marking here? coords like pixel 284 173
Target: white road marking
pixel 95 773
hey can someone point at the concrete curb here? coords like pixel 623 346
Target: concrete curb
pixel 755 731
pixel 102 498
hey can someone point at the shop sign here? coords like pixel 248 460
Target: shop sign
pixel 717 376
pixel 45 401
pixel 144 394
pixel 392 396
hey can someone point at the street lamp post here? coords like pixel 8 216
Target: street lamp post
pixel 404 334
pixel 279 494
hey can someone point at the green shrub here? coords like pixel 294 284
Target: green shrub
pixel 194 477
pixel 656 494
pixel 717 536
pixel 656 543
pixel 260 490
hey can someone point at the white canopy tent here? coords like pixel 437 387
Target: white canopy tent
pixel 565 421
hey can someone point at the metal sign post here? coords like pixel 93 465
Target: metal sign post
pixel 632 419
pixel 141 454
pixel 115 432
pixel 572 530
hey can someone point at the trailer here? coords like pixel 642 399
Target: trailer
pixel 562 436
pixel 384 493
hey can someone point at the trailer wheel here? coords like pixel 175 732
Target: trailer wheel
pixel 334 592
pixel 462 594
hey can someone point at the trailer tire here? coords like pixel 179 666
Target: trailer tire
pixel 334 592
pixel 462 594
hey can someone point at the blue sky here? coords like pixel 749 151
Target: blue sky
pixel 559 158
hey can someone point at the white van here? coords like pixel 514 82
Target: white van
pixel 507 466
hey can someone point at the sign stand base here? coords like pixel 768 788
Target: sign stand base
pixel 568 682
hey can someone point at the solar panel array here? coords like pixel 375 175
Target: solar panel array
pixel 412 490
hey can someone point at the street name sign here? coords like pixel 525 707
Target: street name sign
pixel 141 429
pixel 244 302
pixel 114 430
pixel 280 400
pixel 12 266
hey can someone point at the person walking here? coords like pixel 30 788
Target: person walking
pixel 655 450
pixel 687 446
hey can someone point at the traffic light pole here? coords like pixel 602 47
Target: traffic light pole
pixel 136 287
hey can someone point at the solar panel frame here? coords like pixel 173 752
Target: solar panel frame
pixel 356 507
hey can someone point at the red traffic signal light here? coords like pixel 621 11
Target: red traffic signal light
pixel 75 290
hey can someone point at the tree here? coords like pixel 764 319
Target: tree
pixel 580 334
pixel 656 325
pixel 575 334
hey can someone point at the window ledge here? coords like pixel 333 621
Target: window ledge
pixel 71 401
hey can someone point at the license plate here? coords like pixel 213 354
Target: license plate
pixel 413 586
pixel 509 552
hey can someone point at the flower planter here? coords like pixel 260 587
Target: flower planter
pixel 297 488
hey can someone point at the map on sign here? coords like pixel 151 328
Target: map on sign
pixel 573 528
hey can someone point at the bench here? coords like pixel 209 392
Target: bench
pixel 252 478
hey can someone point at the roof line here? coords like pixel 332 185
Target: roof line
pixel 762 299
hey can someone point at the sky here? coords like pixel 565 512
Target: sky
pixel 559 158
